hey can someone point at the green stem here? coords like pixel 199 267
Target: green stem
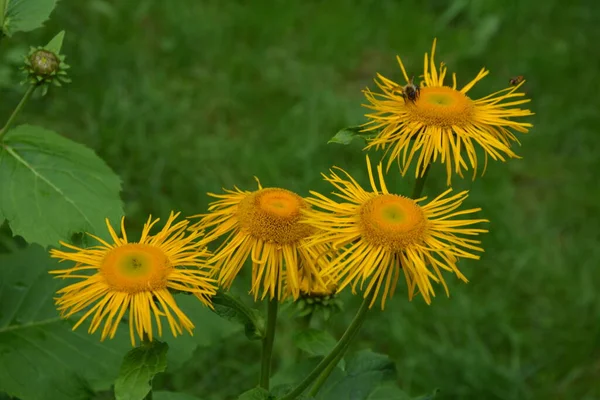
pixel 325 374
pixel 267 344
pixel 419 183
pixel 337 351
pixel 17 110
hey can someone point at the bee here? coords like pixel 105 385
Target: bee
pixel 411 91
pixel 516 80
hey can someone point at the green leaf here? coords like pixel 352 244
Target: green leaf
pixel 163 395
pixel 291 374
pixel 139 367
pixel 209 329
pixel 347 135
pixel 388 392
pixel 365 372
pixel 53 187
pixel 314 342
pixel 255 394
pixel 55 44
pixel 429 396
pixel 41 358
pixel 26 15
pixel 233 309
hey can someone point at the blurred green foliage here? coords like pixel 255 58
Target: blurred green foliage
pixel 184 98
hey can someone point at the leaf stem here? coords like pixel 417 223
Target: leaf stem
pixel 267 344
pixel 17 110
pixel 339 348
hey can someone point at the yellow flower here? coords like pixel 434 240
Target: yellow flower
pixel 136 276
pixel 266 226
pixel 443 122
pixel 380 234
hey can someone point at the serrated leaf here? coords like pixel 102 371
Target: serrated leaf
pixel 53 187
pixel 55 44
pixel 255 394
pixel 314 341
pixel 233 309
pixel 163 395
pixel 365 371
pixel 139 367
pixel 41 358
pixel 347 135
pixel 26 15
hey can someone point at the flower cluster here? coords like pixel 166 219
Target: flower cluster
pixel 309 248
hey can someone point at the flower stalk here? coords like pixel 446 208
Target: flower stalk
pixel 336 353
pixel 267 343
pixel 17 110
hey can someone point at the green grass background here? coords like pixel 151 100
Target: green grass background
pixel 185 97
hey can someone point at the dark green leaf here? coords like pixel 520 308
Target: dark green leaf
pixel 162 395
pixel 314 342
pixel 233 309
pixel 280 390
pixel 368 361
pixel 365 372
pixel 293 372
pixel 255 394
pixel 53 187
pixel 139 367
pixel 26 15
pixel 347 135
pixel 41 358
pixel 429 396
pixel 209 329
pixel 388 392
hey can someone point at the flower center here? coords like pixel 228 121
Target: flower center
pixel 135 268
pixel 392 221
pixel 442 106
pixel 273 215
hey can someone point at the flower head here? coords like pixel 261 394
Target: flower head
pixel 380 234
pixel 441 122
pixel 136 276
pixel 266 226
pixel 44 67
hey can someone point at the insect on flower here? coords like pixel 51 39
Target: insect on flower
pixel 411 91
pixel 516 80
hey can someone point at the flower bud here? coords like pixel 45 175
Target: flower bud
pixel 318 299
pixel 44 67
pixel 44 63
